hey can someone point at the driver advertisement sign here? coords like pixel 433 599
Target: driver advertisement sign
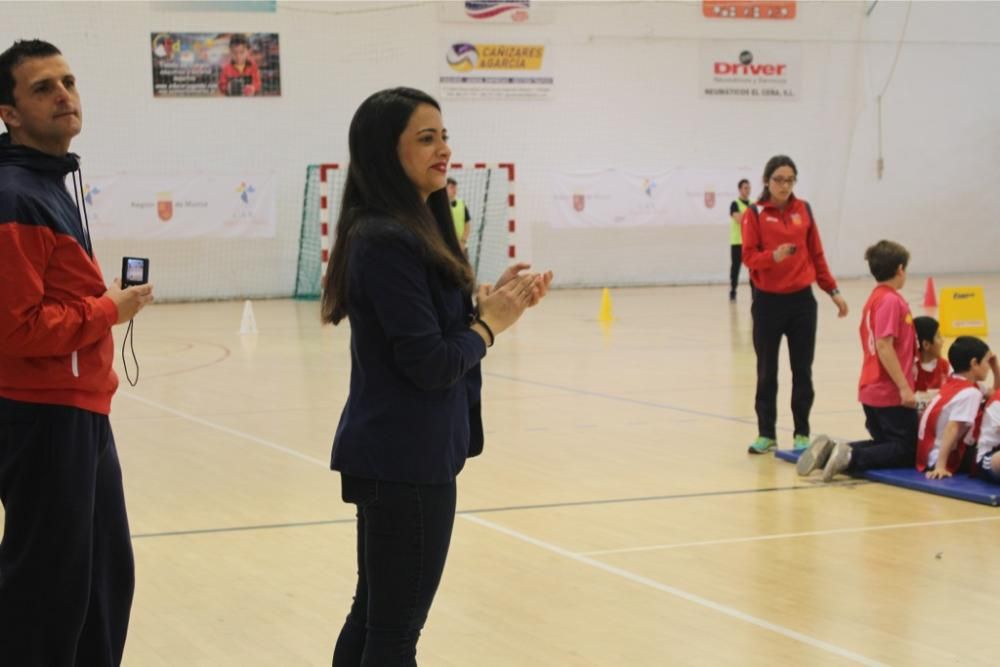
pixel 751 71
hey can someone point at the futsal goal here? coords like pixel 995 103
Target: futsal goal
pixel 488 192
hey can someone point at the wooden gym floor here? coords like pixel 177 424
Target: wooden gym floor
pixel 614 518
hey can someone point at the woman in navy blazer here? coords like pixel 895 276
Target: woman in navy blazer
pixel 412 417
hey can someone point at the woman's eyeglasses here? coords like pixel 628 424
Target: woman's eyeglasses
pixel 783 181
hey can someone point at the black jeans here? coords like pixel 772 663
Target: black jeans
pixel 66 568
pixel 735 261
pixel 403 535
pixel 794 317
pixel 893 443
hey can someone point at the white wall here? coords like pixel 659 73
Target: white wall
pixel 627 97
pixel 941 142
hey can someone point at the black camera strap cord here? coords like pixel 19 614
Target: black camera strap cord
pixel 130 339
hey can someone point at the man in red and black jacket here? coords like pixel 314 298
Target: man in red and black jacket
pixel 66 568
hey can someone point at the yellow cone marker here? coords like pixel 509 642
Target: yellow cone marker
pixel 962 312
pixel 605 314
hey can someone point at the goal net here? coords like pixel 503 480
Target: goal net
pixel 488 192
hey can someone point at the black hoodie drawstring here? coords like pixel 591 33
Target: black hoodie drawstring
pixel 84 221
pixel 76 200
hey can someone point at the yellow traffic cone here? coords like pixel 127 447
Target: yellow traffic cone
pixel 605 314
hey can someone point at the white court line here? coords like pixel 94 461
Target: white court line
pixel 684 595
pixel 226 429
pixel 625 574
pixel 782 536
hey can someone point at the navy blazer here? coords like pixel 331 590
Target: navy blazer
pixel 413 411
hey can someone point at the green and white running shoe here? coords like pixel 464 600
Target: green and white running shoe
pixel 762 445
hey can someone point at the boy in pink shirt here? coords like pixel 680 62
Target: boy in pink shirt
pixel 888 376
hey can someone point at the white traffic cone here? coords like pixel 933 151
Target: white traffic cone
pixel 248 325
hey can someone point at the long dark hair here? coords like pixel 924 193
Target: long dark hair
pixel 775 163
pixel 378 185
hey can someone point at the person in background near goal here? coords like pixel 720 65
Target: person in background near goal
pixel 459 214
pixel 888 376
pixel 240 76
pixel 783 251
pixel 736 210
pixel 66 568
pixel 412 415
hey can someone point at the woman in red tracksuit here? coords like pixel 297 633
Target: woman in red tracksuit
pixel 784 254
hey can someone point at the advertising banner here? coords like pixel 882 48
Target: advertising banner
pixel 751 71
pixel 749 9
pixel 496 11
pixel 495 70
pixel 215 64
pixel 181 206
pixel 613 198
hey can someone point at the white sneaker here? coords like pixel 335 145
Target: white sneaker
pixel 816 456
pixel 839 459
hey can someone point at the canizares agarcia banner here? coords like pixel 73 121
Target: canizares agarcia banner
pixel 615 198
pixel 495 70
pixel 181 206
pixel 751 71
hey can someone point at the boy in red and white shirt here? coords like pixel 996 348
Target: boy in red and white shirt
pixel 888 374
pixel 932 368
pixel 947 426
pixel 988 447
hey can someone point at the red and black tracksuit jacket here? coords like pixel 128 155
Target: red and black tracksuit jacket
pixel 55 325
pixel 765 227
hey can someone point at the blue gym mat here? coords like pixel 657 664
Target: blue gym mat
pixel 960 487
pixel 790 455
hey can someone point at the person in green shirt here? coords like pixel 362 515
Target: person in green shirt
pixel 736 210
pixel 459 214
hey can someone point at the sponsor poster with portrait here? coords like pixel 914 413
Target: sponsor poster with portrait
pixel 614 198
pixel 751 70
pixel 182 206
pixel 228 64
pixel 495 69
pixel 516 12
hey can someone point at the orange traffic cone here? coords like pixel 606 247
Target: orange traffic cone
pixel 930 297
